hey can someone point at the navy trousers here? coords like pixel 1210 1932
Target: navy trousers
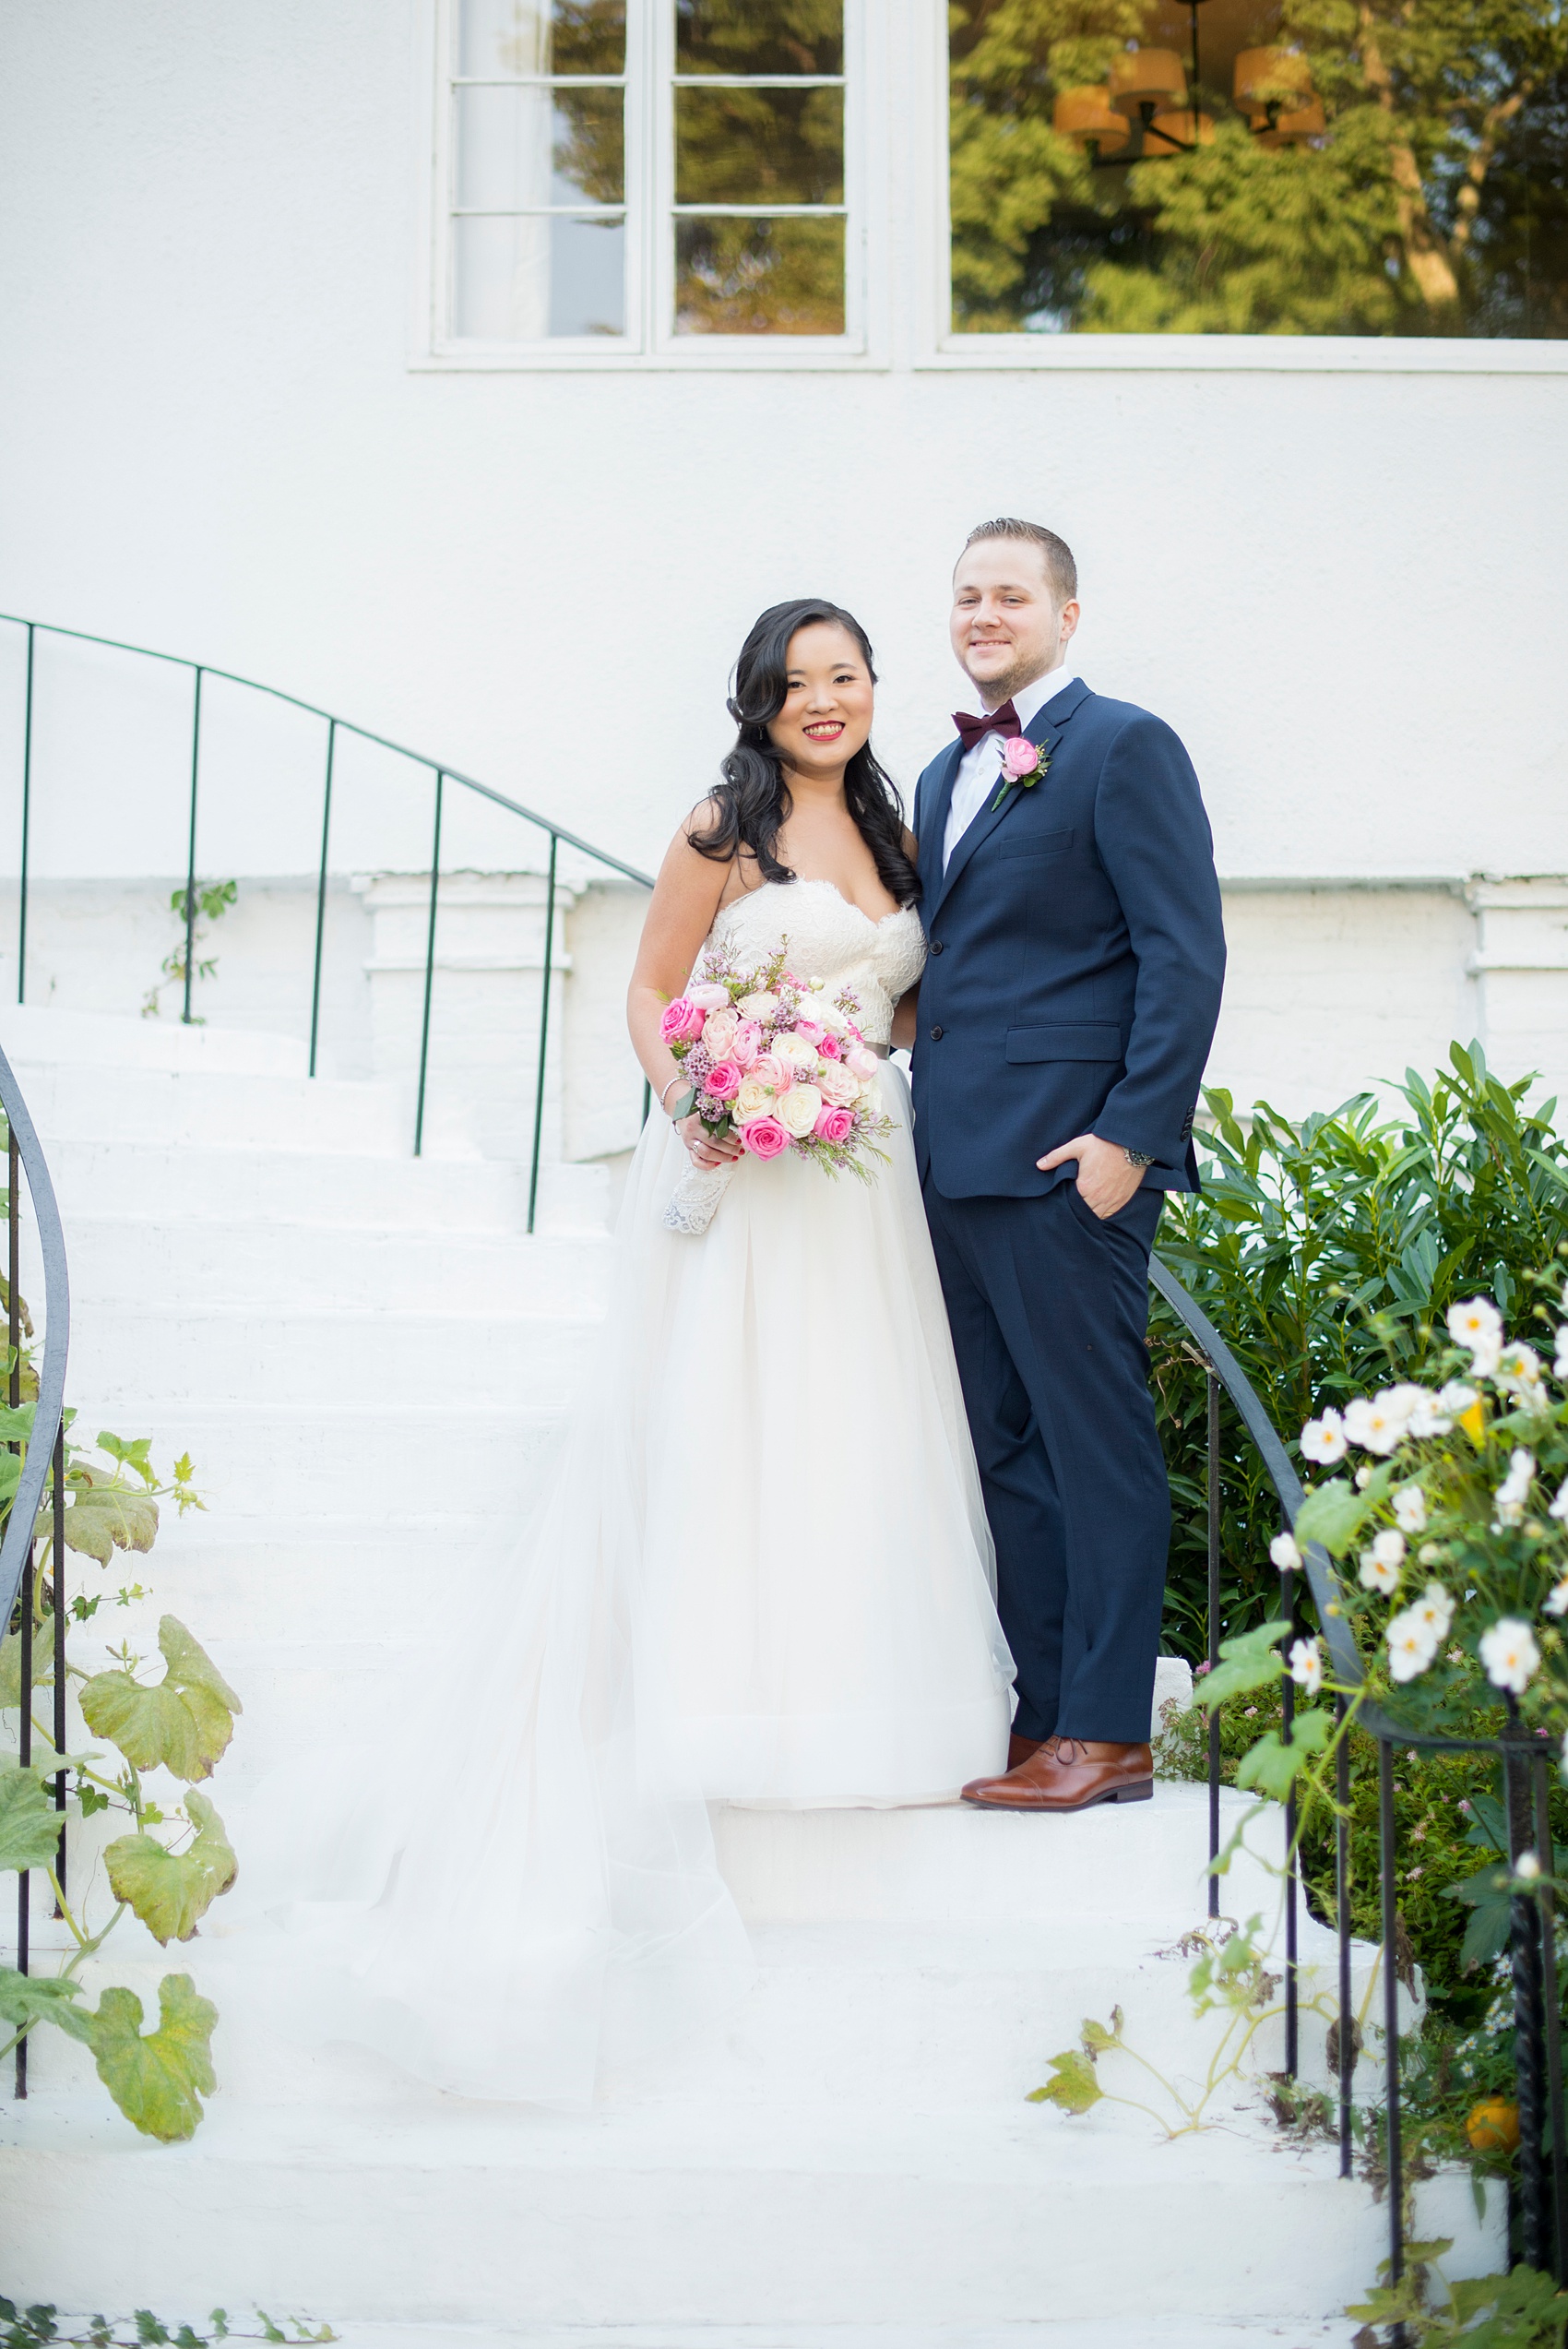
pixel 1050 1312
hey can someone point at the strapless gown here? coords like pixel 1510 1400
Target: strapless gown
pixel 762 1574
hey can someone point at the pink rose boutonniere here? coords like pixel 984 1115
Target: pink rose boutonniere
pixel 1022 762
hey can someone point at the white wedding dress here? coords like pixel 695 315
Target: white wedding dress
pixel 762 1575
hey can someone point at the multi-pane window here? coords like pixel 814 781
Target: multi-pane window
pixel 634 174
pixel 1390 167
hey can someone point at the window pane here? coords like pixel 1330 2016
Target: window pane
pixel 759 146
pixel 759 37
pixel 1391 169
pixel 536 37
pixel 524 281
pixel 517 148
pixel 759 277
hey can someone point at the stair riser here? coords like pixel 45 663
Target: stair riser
pixel 427 1193
pixel 722 2245
pixel 215 1112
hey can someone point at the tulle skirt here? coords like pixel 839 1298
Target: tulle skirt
pixel 761 1574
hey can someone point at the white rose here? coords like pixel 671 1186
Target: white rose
pixel 759 1005
pixel 837 1085
pixel 827 1014
pixel 794 1048
pixel 752 1101
pixel 798 1110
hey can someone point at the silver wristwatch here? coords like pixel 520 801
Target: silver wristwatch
pixel 1137 1157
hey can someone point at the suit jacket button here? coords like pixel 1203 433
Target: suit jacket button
pixel 937 1035
pixel 936 946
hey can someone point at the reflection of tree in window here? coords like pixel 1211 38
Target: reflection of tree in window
pixel 749 140
pixel 1420 186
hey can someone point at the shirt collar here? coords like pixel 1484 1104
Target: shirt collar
pixel 1030 701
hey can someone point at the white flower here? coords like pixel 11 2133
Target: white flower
pixel 759 1005
pixel 1560 1367
pixel 753 1100
pixel 1324 1439
pixel 1477 1325
pixel 1456 1399
pixel 835 1083
pixel 1388 1547
pixel 793 1048
pixel 1410 1644
pixel 1410 1508
pixel 1515 1489
pixel 1510 1654
pixel 1518 1369
pixel 1380 1573
pixel 1559 1506
pixel 798 1110
pixel 1377 1422
pixel 1428 1417
pixel 825 1012
pixel 1363 1478
pixel 1306 1665
pixel 1284 1552
pixel 1435 1608
pixel 1556 1602
pixel 1527 1865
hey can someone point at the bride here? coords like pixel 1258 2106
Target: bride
pixel 762 1573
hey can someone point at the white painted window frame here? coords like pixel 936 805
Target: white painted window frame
pixel 650 342
pixel 936 347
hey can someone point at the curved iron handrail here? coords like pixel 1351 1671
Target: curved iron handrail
pixel 17 1543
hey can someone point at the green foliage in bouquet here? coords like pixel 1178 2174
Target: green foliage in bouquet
pixel 1328 1255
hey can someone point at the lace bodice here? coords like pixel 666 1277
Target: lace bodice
pixel 827 938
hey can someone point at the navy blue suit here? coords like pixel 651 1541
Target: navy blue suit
pixel 1073 985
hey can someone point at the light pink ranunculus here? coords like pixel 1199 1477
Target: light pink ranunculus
pixel 835 1124
pixel 1020 757
pixel 812 1030
pixel 681 1022
pixel 723 1080
pixel 709 996
pixel 836 1085
pixel 720 1031
pixel 765 1138
pixel 830 1048
pixel 862 1063
pixel 745 1043
pixel 766 1070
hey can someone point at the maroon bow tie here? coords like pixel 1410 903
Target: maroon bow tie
pixel 1004 722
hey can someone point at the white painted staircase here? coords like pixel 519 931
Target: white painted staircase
pixel 367 1359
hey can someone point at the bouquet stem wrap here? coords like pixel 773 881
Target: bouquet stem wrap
pixel 694 1202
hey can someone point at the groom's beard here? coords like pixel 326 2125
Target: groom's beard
pixel 996 690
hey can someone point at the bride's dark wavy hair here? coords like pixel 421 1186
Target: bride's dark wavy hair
pixel 752 801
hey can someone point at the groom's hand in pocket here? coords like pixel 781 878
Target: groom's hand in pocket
pixel 1106 1181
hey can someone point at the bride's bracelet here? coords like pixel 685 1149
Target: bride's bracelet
pixel 676 1080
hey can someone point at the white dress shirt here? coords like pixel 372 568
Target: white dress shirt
pixel 979 769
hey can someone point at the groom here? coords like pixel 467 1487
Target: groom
pixel 1064 1018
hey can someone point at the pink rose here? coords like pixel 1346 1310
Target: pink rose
pixel 723 1080
pixel 681 1021
pixel 766 1070
pixel 709 996
pixel 720 1033
pixel 745 1043
pixel 812 1030
pixel 830 1047
pixel 837 1086
pixel 1020 757
pixel 862 1064
pixel 765 1138
pixel 834 1125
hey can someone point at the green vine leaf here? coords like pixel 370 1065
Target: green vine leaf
pixel 1248 1662
pixel 1334 1513
pixel 1073 2087
pixel 172 1891
pixel 159 2078
pixel 1273 1767
pixel 30 1824
pixel 27 1998
pixel 184 1723
pixel 103 1517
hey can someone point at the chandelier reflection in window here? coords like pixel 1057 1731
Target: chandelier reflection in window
pixel 1149 104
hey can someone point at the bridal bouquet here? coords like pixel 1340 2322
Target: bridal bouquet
pixel 781 1063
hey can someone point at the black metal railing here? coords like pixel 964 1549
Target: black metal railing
pixel 1525 1772
pixel 440 774
pixel 20 1573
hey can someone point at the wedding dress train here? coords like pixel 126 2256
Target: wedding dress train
pixel 762 1574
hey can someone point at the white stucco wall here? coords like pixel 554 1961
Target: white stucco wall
pixel 1344 588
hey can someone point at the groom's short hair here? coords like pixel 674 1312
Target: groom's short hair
pixel 1055 553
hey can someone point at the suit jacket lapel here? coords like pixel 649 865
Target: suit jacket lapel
pixel 934 823
pixel 1045 729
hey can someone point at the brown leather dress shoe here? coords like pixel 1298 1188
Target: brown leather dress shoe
pixel 1069 1774
pixel 1020 1748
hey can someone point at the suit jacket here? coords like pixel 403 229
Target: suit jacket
pixel 1077 954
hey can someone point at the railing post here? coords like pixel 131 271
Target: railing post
pixel 1292 1975
pixel 1213 1637
pixel 321 892
pixel 543 1029
pixel 27 831
pixel 58 1544
pixel 1387 1858
pixel 1530 2022
pixel 24 1632
pixel 1342 1923
pixel 1541 1773
pixel 429 963
pixel 191 850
